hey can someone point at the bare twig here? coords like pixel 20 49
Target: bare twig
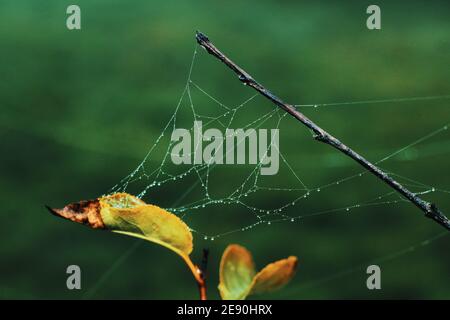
pixel 201 280
pixel 430 210
pixel 204 264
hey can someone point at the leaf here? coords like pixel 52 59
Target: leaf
pixel 237 271
pixel 126 214
pixel 129 215
pixel 238 278
pixel 275 275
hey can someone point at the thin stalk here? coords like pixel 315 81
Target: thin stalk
pixel 199 275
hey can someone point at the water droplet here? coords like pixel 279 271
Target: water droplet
pixel 318 190
pixel 292 219
pixel 206 238
pixel 433 189
pixel 348 209
pixel 268 223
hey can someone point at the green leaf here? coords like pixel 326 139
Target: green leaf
pixel 238 278
pixel 236 273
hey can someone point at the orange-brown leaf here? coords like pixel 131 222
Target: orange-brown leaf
pixel 275 275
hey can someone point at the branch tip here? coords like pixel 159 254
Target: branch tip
pixel 204 263
pixel 201 37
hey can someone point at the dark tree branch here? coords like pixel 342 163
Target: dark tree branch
pixel 430 210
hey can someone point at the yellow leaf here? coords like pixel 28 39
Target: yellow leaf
pixel 129 215
pixel 126 214
pixel 238 277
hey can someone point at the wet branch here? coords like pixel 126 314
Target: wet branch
pixel 430 210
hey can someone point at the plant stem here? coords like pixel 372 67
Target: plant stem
pixel 430 210
pixel 202 290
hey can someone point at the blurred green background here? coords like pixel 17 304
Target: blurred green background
pixel 80 109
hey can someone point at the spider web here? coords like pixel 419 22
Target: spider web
pixel 154 173
pixel 156 176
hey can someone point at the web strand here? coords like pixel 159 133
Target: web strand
pixel 160 175
pixel 376 101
